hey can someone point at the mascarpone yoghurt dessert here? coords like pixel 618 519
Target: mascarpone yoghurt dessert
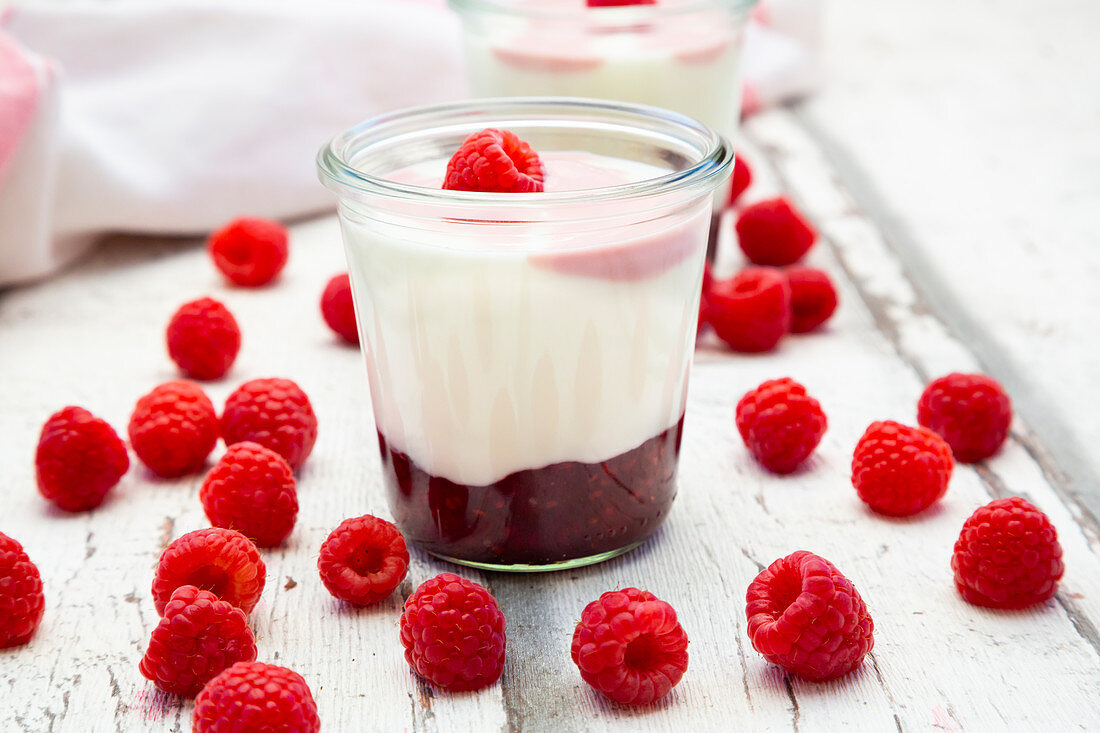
pixel 679 54
pixel 528 353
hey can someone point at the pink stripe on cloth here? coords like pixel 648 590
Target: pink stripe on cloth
pixel 762 13
pixel 18 97
pixel 750 100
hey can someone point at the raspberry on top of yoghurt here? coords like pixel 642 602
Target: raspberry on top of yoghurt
pixel 633 252
pixel 496 161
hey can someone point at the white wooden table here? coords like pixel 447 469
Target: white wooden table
pixel 93 337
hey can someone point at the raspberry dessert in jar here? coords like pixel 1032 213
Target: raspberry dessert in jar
pixel 527 347
pixel 683 55
pixel 680 54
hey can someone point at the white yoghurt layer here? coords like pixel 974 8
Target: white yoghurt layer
pixel 684 63
pixel 484 361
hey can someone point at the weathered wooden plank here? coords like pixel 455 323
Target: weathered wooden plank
pixel 927 346
pixel 978 150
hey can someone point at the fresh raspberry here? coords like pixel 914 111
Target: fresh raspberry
pixel 250 252
pixel 203 339
pixel 1007 556
pixel 79 459
pixel 363 560
pixel 900 470
pixel 618 3
pixel 198 637
pixel 253 696
pixel 251 489
pixel 629 646
pixel 971 412
pixel 453 633
pixel 274 413
pixel 338 310
pixel 174 428
pixel 221 561
pixel 751 311
pixel 494 160
pixel 780 424
pixel 808 618
pixel 741 179
pixel 772 232
pixel 813 298
pixel 21 599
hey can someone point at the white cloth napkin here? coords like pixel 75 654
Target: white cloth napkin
pixel 173 118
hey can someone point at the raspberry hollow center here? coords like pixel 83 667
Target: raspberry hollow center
pixel 642 653
pixel 787 589
pixel 367 560
pixel 210 578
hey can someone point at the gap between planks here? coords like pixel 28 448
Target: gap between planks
pixel 799 141
pixel 933 298
pixel 1052 443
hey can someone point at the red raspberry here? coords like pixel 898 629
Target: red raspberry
pixel 253 696
pixel 221 561
pixel 741 180
pixel 453 633
pixel 198 637
pixel 971 412
pixel 813 298
pixel 203 339
pixel 494 160
pixel 250 252
pixel 79 459
pixel 772 232
pixel 899 470
pixel 629 646
pixel 780 424
pixel 21 599
pixel 338 309
pixel 752 311
pixel 1007 556
pixel 251 489
pixel 363 560
pixel 174 428
pixel 808 618
pixel 274 413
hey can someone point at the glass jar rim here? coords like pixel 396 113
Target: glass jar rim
pixel 337 172
pixel 648 10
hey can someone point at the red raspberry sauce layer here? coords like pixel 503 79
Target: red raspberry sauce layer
pixel 538 516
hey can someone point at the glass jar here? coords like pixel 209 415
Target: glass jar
pixel 528 353
pixel 683 55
